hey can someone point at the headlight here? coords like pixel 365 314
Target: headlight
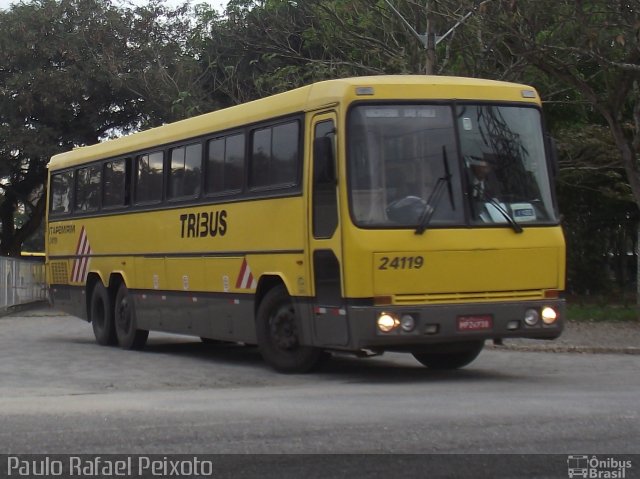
pixel 531 317
pixel 549 315
pixel 387 322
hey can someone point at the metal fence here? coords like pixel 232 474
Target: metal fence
pixel 22 281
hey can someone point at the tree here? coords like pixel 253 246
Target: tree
pixel 264 47
pixel 598 209
pixel 590 46
pixel 53 96
pixel 73 72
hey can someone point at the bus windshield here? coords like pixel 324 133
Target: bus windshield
pixel 411 166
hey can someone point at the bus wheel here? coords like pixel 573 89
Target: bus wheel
pixel 129 336
pixel 454 356
pixel 101 316
pixel 278 338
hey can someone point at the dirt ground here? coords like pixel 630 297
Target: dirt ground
pixel 588 337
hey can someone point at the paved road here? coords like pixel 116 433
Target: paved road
pixel 62 393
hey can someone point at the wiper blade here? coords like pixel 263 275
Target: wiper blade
pixel 434 197
pixel 429 207
pixel 514 224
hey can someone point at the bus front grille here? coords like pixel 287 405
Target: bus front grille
pixel 478 297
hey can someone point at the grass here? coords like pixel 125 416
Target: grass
pixel 614 312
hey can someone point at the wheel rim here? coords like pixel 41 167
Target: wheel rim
pixel 124 315
pixel 282 328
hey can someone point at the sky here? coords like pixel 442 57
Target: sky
pixel 217 4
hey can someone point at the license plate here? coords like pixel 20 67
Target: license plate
pixel 475 323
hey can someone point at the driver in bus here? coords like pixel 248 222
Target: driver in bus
pixel 482 186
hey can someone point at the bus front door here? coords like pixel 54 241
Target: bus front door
pixel 329 314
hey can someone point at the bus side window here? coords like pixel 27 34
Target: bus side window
pixel 184 176
pixel 61 188
pixel 325 203
pixel 116 182
pixel 225 164
pixel 148 182
pixel 275 156
pixel 88 188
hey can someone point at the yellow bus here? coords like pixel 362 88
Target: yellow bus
pixel 357 215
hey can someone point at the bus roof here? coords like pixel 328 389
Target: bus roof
pixel 306 98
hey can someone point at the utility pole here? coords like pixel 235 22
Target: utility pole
pixel 430 40
pixel 430 44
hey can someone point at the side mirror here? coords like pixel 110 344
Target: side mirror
pixel 324 171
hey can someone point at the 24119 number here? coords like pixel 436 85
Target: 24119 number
pixel 401 262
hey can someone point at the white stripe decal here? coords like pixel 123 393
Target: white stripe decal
pixel 245 277
pixel 82 259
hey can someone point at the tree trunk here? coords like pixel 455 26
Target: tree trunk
pixel 29 228
pixel 7 209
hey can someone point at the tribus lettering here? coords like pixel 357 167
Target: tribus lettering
pixel 200 225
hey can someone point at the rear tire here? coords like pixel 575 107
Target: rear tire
pixel 453 356
pixel 101 316
pixel 279 337
pixel 126 324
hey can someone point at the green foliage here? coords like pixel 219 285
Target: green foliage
pixel 599 212
pixel 53 95
pixel 591 48
pixel 601 312
pixel 261 48
pixel 73 72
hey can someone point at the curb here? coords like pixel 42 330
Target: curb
pixel 18 308
pixel 566 349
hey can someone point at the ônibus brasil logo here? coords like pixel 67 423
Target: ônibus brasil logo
pixel 593 467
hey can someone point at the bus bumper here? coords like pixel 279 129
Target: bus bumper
pixel 432 324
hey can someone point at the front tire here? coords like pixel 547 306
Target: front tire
pixel 279 337
pixel 126 324
pixel 101 316
pixel 454 356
